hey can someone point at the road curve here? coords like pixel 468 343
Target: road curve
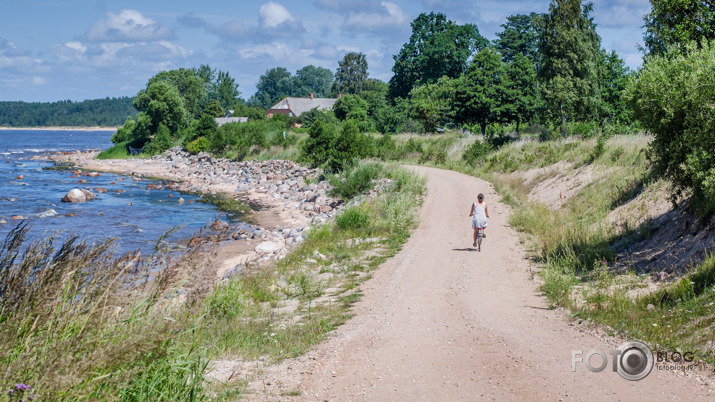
pixel 440 321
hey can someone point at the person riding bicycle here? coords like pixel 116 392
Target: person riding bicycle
pixel 479 214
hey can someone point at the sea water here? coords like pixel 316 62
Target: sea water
pixel 136 217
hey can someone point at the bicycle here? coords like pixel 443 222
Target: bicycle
pixel 479 239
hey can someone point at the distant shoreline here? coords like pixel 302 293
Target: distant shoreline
pixel 60 128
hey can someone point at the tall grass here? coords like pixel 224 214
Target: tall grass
pixel 79 323
pixel 117 151
pixel 355 179
pixel 76 323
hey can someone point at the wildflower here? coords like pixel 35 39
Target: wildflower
pixel 655 325
pixel 9 393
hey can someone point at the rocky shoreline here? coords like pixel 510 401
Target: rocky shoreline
pixel 288 194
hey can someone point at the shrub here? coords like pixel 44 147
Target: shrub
pixel 386 149
pixel 348 145
pixel 350 104
pixel 316 149
pixel 226 301
pixel 599 149
pixel 412 145
pixel 283 139
pixel 585 130
pixel 308 118
pixel 354 217
pixel 124 133
pixel 355 179
pixel 198 145
pixel 252 133
pixel 161 141
pixel 672 98
pixel 217 141
pixel 476 151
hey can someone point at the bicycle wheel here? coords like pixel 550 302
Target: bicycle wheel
pixel 479 240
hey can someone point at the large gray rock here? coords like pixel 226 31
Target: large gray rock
pixel 74 195
pixel 267 247
pixel 88 195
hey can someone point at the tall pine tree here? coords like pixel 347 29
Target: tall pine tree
pixel 569 47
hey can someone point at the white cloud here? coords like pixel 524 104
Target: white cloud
pixel 38 81
pixel 17 59
pixel 275 50
pixel 76 46
pixel 273 14
pixel 127 26
pixel 391 15
pixel 275 21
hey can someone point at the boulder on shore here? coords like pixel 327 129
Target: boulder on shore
pixel 75 195
pixel 88 195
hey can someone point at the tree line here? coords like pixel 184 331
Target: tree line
pixel 105 112
pixel 546 71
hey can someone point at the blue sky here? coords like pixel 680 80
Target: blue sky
pixel 86 49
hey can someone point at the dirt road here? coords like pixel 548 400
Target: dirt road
pixel 441 321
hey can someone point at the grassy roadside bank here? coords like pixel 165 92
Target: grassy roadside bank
pixel 569 197
pixel 583 203
pixel 78 324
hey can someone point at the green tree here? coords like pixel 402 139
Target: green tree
pixel 675 23
pixel 317 147
pixel 613 78
pixel 205 73
pixel 226 89
pixel 520 36
pixel 350 144
pixel 569 48
pixel 351 75
pixel 125 132
pixel 672 97
pixel 269 88
pixel 432 103
pixel 190 87
pixel 162 104
pixel 312 79
pixel 214 109
pixel 216 141
pixel 437 47
pixel 162 140
pixel 350 106
pixel 204 127
pixel 522 96
pixel 482 91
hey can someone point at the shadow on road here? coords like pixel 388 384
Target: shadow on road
pixel 464 249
